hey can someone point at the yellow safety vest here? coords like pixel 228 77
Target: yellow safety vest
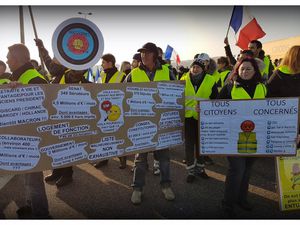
pixel 216 75
pixel 63 78
pixel 191 97
pixel 266 69
pixel 4 81
pixel 116 78
pixel 223 75
pixel 240 93
pixel 285 69
pixel 247 142
pixel 30 74
pixel 138 75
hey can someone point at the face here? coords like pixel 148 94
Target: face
pixel 195 70
pixel 147 58
pixel 221 65
pixel 246 71
pixel 253 48
pixel 11 62
pixel 134 64
pixel 106 65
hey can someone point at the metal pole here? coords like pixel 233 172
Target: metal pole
pixel 35 34
pixel 21 17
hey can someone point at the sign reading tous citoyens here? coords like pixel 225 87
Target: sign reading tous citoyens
pixel 50 126
pixel 256 127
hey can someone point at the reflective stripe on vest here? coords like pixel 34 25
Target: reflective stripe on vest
pixel 138 75
pixel 240 93
pixel 4 81
pixel 30 74
pixel 116 78
pixel 223 75
pixel 191 97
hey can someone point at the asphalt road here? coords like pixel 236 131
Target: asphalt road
pixel 105 193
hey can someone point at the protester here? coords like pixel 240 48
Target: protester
pixel 18 60
pixel 256 47
pixel 199 85
pixel 151 70
pixel 136 60
pixel 224 69
pixel 110 74
pixel 60 75
pixel 4 77
pixel 248 85
pixel 125 67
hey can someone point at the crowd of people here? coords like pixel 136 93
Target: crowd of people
pixel 251 75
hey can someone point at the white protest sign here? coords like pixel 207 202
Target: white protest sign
pixel 256 127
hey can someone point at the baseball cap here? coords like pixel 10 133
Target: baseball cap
pixel 150 47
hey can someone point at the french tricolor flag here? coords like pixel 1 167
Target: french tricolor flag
pixel 246 26
pixel 170 53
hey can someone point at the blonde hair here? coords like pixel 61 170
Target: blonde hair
pixel 20 52
pixel 292 59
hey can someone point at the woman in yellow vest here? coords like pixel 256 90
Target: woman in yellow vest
pixel 224 69
pixel 199 85
pixel 247 85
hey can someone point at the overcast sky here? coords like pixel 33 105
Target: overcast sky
pixel 188 29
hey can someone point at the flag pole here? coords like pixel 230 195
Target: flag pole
pixel 21 17
pixel 35 34
pixel 230 22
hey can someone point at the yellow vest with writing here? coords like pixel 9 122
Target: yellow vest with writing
pixel 191 98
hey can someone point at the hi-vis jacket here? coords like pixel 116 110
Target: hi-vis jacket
pixel 116 78
pixel 28 75
pixel 191 97
pixel 241 93
pixel 4 81
pixel 139 75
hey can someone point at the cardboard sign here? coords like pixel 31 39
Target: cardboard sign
pixel 288 180
pixel 77 43
pixel 49 126
pixel 250 127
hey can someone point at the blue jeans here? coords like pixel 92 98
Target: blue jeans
pixel 237 179
pixel 141 166
pixel 36 194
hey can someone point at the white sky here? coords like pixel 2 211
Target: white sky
pixel 188 29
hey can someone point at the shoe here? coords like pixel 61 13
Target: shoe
pixel 156 171
pixel 101 163
pixel 202 174
pixel 136 197
pixel 190 178
pixel 24 212
pixel 208 160
pixel 52 178
pixel 168 193
pixel 63 181
pixel 245 205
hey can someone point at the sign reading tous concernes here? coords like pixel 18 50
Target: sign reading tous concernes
pixel 77 43
pixel 265 127
pixel 51 126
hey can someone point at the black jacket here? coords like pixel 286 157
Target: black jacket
pixel 284 85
